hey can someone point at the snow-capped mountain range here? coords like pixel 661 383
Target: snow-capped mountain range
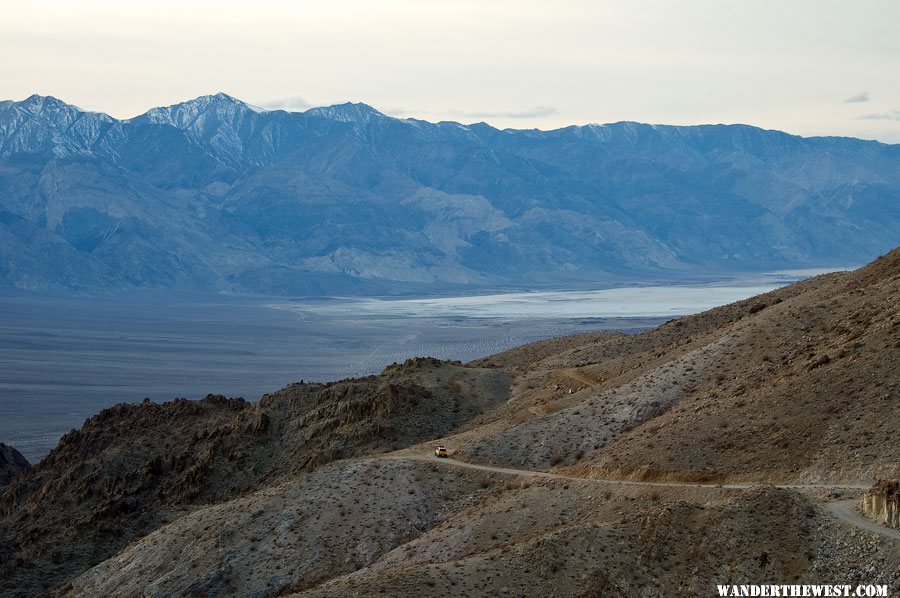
pixel 214 194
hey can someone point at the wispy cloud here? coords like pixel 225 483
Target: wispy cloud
pixel 892 115
pixel 294 104
pixel 536 112
pixel 858 98
pixel 401 112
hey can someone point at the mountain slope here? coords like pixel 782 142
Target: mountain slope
pixel 132 468
pixel 664 447
pixel 346 199
pixel 798 384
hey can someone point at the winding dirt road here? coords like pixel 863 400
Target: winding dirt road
pixel 579 376
pixel 843 510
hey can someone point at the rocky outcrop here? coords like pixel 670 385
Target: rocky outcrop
pixel 882 503
pixel 134 468
pixel 12 463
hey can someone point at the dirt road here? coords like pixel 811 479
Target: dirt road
pixel 843 510
pixel 578 376
pixel 839 509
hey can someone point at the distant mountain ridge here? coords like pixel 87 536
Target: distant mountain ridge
pixel 217 195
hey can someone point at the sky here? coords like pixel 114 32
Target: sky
pixel 809 67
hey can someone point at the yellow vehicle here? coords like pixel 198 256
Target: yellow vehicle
pixel 440 451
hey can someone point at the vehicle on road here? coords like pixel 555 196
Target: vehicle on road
pixel 440 451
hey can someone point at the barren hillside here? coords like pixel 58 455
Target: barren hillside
pixel 132 468
pixel 799 384
pixel 713 449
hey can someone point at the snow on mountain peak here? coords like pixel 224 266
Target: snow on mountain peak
pixel 181 115
pixel 347 112
pixel 38 104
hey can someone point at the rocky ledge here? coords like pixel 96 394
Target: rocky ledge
pixel 882 503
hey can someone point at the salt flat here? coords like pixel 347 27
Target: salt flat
pixel 627 302
pixel 64 359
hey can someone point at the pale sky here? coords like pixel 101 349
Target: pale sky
pixel 810 67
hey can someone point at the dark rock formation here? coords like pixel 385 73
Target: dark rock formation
pixel 12 463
